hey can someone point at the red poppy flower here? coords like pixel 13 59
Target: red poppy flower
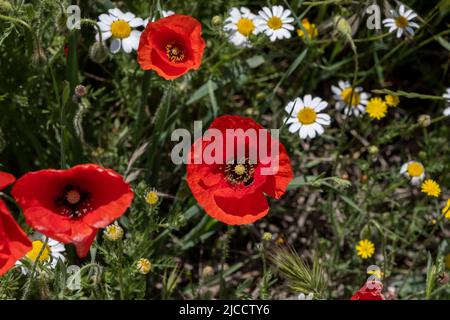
pixel 370 291
pixel 233 190
pixel 172 46
pixel 14 243
pixel 70 205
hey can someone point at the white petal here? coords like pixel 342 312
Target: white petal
pixel 128 16
pixel 106 19
pixel 303 132
pixel 447 112
pixel 307 99
pixel 294 127
pixel 127 44
pixel 115 46
pixel 323 119
pixel 321 106
pixel 136 22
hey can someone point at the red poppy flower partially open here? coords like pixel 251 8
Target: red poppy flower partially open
pixel 70 205
pixel 370 291
pixel 171 46
pixel 232 188
pixel 14 243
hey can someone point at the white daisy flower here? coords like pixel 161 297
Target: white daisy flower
pixel 446 96
pixel 302 296
pixel 413 170
pixel 305 118
pixel 343 94
pixel 240 25
pixel 276 23
pixel 120 27
pixel 51 254
pixel 164 14
pixel 402 22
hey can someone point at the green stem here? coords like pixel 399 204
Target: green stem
pixel 33 270
pixel 142 103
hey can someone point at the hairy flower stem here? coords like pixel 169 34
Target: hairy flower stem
pixel 33 271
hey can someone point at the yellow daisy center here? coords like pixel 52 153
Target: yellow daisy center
pixel 415 169
pixel 365 249
pixel 245 26
pixel 120 29
pixel 152 198
pixel 447 261
pixel 73 197
pixel 346 94
pixel 275 23
pixel 114 232
pixel 175 52
pixel 401 22
pixel 376 108
pixel 431 188
pixel 37 247
pixel 307 115
pixel 144 266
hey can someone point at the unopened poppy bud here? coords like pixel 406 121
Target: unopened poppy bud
pixel 342 25
pixel 424 120
pixel 39 58
pixel 5 6
pixel 216 21
pixel 98 52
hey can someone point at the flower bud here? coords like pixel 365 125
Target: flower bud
pixel 424 120
pixel 5 6
pixel 373 150
pixel 342 25
pixel 98 52
pixel 267 236
pixel 216 21
pixel 39 58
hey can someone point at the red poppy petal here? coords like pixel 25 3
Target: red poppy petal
pixel 6 179
pixel 236 211
pixel 14 243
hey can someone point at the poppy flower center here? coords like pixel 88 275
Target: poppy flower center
pixel 348 94
pixel 245 26
pixel 401 22
pixel 73 202
pixel 120 29
pixel 37 247
pixel 274 23
pixel 307 115
pixel 175 52
pixel 240 173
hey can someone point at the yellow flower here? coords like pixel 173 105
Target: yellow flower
pixel 431 188
pixel 310 28
pixel 446 210
pixel 113 232
pixel 376 108
pixel 447 261
pixel 365 249
pixel 267 236
pixel 152 197
pixel 143 266
pixel 392 101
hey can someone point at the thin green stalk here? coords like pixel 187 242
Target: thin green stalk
pixel 33 270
